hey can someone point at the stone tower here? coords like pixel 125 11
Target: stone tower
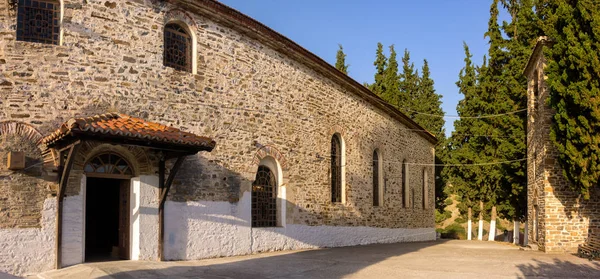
pixel 559 219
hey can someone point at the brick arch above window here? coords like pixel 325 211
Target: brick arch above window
pixel 39 21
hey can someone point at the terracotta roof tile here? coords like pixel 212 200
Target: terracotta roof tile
pixel 127 127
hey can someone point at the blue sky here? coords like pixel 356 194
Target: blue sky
pixel 432 30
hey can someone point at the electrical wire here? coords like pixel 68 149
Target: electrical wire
pixel 465 117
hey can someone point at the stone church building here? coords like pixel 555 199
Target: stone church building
pixel 559 219
pixel 179 130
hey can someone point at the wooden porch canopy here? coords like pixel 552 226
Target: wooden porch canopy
pixel 121 129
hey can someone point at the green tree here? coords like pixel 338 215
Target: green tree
pixel 429 103
pixel 391 87
pixel 574 86
pixel 498 88
pixel 409 80
pixel 380 65
pixel 340 60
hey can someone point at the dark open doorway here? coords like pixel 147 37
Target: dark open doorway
pixel 107 219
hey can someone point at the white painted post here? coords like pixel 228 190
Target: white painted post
pixel 480 232
pixel 516 233
pixel 469 225
pixel 492 233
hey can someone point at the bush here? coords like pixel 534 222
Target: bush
pixel 448 201
pixel 460 220
pixel 441 217
pixel 454 231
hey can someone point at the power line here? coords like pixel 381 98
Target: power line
pixel 445 165
pixel 466 117
pixel 312 117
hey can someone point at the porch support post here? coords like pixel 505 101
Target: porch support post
pixel 164 187
pixel 64 170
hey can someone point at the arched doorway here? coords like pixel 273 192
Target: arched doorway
pixel 107 210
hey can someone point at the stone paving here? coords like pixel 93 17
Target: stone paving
pixel 439 259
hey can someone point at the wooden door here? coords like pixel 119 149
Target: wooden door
pixel 124 213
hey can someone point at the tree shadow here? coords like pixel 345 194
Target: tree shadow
pixel 559 268
pixel 321 263
pixel 7 276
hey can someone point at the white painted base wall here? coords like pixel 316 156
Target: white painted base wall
pixel 196 230
pixel 29 251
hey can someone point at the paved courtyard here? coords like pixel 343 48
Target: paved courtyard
pixel 440 259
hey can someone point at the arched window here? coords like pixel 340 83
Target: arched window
pixel 336 169
pixel 425 193
pixel 108 165
pixel 264 198
pixel 38 21
pixel 405 192
pixel 178 47
pixel 377 179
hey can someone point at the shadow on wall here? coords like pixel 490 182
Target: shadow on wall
pixel 559 269
pixel 322 263
pixel 197 228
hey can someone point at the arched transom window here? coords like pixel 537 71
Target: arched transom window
pixel 108 165
pixel 264 198
pixel 336 169
pixel 38 21
pixel 178 47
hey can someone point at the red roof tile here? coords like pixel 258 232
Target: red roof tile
pixel 126 127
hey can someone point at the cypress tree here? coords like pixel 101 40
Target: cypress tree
pixel 391 86
pixel 380 65
pixel 408 86
pixel 340 60
pixel 574 86
pixel 429 102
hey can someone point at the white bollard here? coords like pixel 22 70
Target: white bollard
pixel 480 235
pixel 469 229
pixel 492 233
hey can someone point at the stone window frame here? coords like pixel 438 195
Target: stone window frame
pixel 338 197
pixel 60 7
pixel 378 177
pixel 405 185
pixel 187 23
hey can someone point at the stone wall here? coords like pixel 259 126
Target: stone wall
pixel 245 95
pixel 565 218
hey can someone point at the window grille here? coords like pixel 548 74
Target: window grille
pixel 375 178
pixel 336 169
pixel 38 21
pixel 178 48
pixel 264 199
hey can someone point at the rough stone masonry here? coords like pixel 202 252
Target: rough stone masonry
pixel 256 96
